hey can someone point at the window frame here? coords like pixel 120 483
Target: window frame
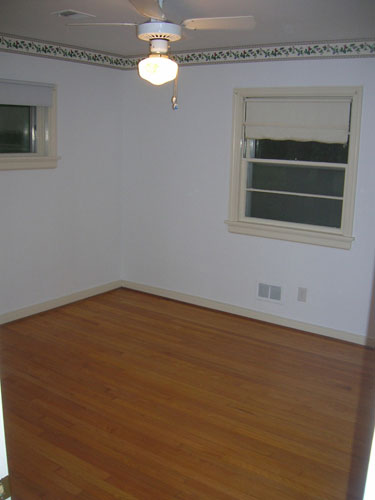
pixel 304 233
pixel 45 156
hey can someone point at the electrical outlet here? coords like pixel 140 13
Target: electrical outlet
pixel 302 294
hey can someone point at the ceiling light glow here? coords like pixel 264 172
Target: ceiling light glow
pixel 157 69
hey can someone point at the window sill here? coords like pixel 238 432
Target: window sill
pixel 298 235
pixel 27 162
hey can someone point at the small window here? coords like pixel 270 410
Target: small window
pixel 294 164
pixel 17 129
pixel 27 125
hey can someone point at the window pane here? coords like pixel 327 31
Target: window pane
pixel 15 129
pixel 298 209
pixel 300 151
pixel 309 180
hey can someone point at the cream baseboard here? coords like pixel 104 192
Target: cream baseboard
pixel 189 299
pixel 62 301
pixel 249 313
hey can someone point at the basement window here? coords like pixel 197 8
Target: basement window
pixel 294 163
pixel 27 125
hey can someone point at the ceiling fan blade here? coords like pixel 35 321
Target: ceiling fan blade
pixel 101 24
pixel 220 23
pixel 149 8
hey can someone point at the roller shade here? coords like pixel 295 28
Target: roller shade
pixel 321 120
pixel 25 93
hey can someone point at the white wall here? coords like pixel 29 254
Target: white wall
pixel 130 164
pixel 175 199
pixel 59 229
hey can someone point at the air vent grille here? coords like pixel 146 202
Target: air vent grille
pixel 171 37
pixel 269 292
pixel 72 14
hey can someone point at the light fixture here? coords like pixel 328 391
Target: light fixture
pixel 157 68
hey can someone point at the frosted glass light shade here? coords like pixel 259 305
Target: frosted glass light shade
pixel 157 69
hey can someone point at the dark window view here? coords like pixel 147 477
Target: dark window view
pixel 291 208
pixel 301 151
pixel 16 124
pixel 294 179
pixel 296 193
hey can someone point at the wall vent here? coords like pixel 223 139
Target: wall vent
pixel 269 292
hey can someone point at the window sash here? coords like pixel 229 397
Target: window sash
pixel 294 193
pixel 244 190
pixel 309 211
pixel 297 164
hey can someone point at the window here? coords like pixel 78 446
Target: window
pixel 294 162
pixel 27 125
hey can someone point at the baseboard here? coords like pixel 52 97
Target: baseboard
pixel 249 313
pixel 62 301
pixel 190 299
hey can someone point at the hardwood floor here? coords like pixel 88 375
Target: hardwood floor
pixel 131 396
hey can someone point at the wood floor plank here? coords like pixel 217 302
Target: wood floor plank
pixel 131 396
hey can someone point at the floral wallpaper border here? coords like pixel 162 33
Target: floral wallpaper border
pixel 305 50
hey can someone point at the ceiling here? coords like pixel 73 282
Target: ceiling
pixel 277 22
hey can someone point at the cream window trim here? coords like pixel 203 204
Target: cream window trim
pixel 296 234
pixel 28 162
pixel 46 157
pixel 237 221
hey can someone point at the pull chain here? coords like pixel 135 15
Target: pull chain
pixel 174 97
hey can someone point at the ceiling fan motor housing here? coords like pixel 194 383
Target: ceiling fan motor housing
pixel 159 46
pixel 156 30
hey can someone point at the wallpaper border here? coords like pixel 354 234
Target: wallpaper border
pixel 256 53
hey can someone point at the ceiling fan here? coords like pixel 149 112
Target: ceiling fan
pixel 159 32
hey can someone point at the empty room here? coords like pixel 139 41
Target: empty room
pixel 187 250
